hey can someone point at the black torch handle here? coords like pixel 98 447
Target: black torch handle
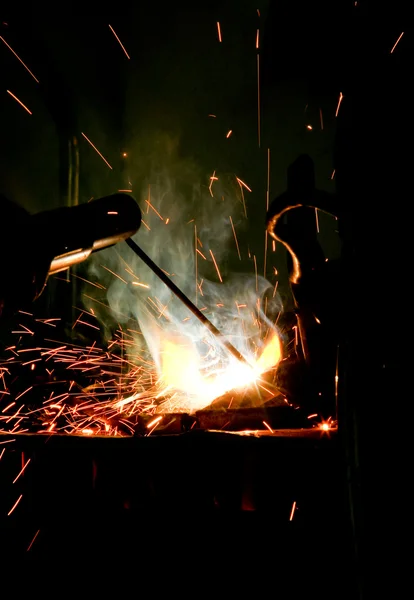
pixel 185 300
pixel 71 234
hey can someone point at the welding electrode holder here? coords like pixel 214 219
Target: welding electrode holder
pixel 36 246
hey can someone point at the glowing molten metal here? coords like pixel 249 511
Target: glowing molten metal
pixel 181 371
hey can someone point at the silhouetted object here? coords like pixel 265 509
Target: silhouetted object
pixel 34 246
pixel 310 380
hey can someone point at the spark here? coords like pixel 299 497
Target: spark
pixel 244 203
pixel 88 324
pixel 333 174
pixel 125 191
pixel 255 271
pixel 268 180
pixel 149 197
pixel 200 285
pixel 119 41
pixel 196 263
pixel 18 58
pixel 292 512
pixel 309 127
pixel 114 274
pixel 267 208
pixel 21 471
pixel 8 406
pixel 321 118
pixel 154 209
pixel 235 237
pixel 151 430
pixel 258 98
pixel 27 330
pixel 395 45
pixel 216 265
pixel 295 327
pixel 154 422
pixel 317 220
pixel 229 133
pixel 14 505
pixel 257 38
pixel 339 103
pixel 271 392
pixel 213 178
pixel 337 379
pixel 312 416
pixel 48 321
pixel 19 101
pixel 219 31
pixel 241 183
pixel 2 452
pixel 53 350
pixel 201 254
pixel 268 427
pixel 144 285
pixel 15 414
pixel 33 540
pixel 96 149
pixel 112 212
pixel 25 392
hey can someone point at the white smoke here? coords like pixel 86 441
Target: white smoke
pixel 177 220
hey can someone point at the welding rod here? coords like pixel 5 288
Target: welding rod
pixel 185 300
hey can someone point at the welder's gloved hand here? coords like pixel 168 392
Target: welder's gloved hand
pixel 24 265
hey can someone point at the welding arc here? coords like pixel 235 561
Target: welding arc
pixel 185 300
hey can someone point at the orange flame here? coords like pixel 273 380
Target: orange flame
pixel 181 370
